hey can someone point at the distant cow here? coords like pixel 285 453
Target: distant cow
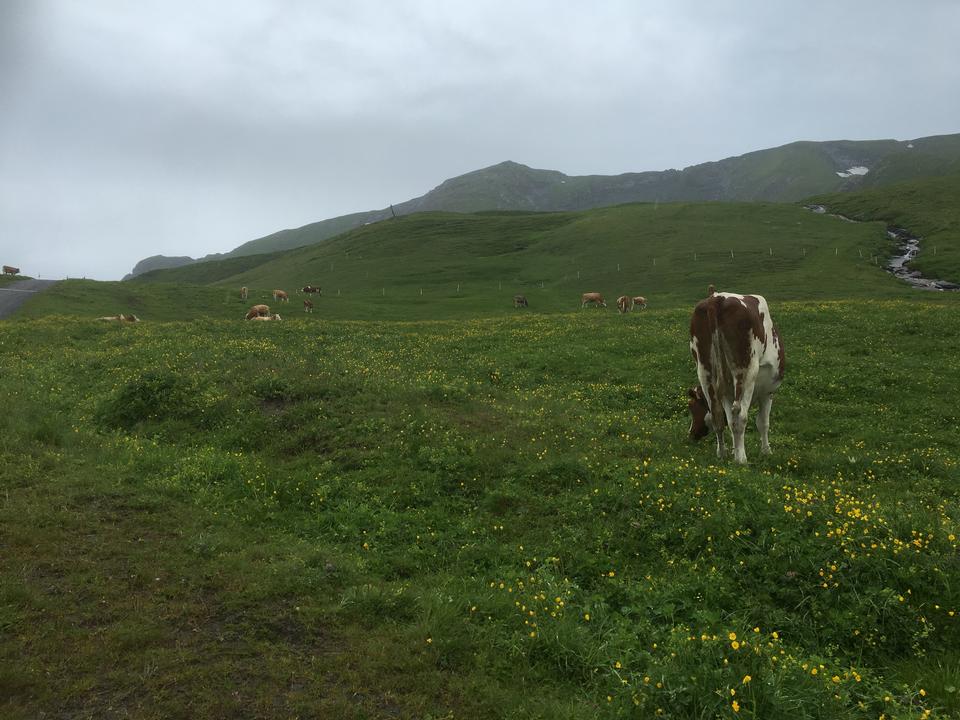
pixel 10 270
pixel 120 318
pixel 280 295
pixel 266 318
pixel 738 354
pixel 520 301
pixel 592 298
pixel 307 305
pixel 258 311
pixel 623 304
pixel 639 301
pixel 243 293
pixel 311 289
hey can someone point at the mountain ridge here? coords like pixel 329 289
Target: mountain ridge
pixel 786 173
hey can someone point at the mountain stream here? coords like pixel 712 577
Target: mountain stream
pixel 908 245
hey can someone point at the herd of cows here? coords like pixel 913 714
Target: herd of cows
pixel 733 341
pixel 262 312
pixel 625 303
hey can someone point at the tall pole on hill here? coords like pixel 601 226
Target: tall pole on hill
pixel 393 213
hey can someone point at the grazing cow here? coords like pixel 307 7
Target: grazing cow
pixel 307 305
pixel 311 289
pixel 623 304
pixel 738 354
pixel 520 301
pixel 266 318
pixel 121 318
pixel 639 301
pixel 595 298
pixel 258 311
pixel 243 293
pixel 10 270
pixel 281 296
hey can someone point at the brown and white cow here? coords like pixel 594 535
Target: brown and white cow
pixel 592 297
pixel 311 289
pixel 307 305
pixel 267 318
pixel 10 270
pixel 739 355
pixel 281 296
pixel 623 304
pixel 520 301
pixel 244 293
pixel 258 311
pixel 639 301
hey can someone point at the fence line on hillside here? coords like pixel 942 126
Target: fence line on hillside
pixel 748 260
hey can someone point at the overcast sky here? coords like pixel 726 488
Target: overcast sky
pixel 130 128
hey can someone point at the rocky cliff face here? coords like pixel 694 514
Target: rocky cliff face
pixel 158 262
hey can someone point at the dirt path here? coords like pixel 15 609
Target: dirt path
pixel 16 294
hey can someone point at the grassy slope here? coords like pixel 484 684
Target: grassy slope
pixel 7 279
pixel 782 174
pixel 668 252
pixel 306 235
pixel 156 301
pixel 929 208
pixel 355 519
pixel 205 273
pixel 794 171
pixel 929 157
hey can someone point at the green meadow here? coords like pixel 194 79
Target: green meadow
pixel 435 506
pixel 7 279
pixel 927 207
pixel 434 266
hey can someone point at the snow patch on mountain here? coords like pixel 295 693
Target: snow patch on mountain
pixel 857 170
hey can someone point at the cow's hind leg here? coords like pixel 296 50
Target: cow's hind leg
pixel 719 420
pixel 765 402
pixel 721 444
pixel 737 419
pixel 744 388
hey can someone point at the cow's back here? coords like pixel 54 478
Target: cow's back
pixel 731 334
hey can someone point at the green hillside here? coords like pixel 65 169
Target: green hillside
pixel 783 174
pixel 7 279
pixel 411 267
pixel 306 235
pixel 918 159
pixel 203 273
pixel 161 262
pixel 148 301
pixel 929 208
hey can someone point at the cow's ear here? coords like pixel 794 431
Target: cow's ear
pixel 692 392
